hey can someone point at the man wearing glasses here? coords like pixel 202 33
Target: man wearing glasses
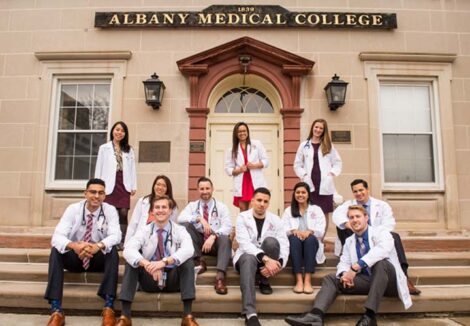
pixel 85 241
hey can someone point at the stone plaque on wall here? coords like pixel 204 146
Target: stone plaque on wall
pixel 154 151
pixel 341 136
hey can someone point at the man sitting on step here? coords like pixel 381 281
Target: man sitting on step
pixel 85 241
pixel 263 251
pixel 380 214
pixel 209 224
pixel 158 257
pixel 368 265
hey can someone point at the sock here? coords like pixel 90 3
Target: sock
pixel 109 301
pixel 56 305
pixel 126 308
pixel 317 311
pixel 220 275
pixel 370 313
pixel 187 307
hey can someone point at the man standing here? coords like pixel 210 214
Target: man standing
pixel 380 214
pixel 85 241
pixel 368 265
pixel 263 249
pixel 158 257
pixel 209 224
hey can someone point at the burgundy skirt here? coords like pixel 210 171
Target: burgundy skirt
pixel 120 197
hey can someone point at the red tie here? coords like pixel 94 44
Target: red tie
pixel 205 215
pixel 160 250
pixel 87 238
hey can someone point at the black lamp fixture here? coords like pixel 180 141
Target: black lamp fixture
pixel 336 92
pixel 154 89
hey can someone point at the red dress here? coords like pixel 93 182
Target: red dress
pixel 247 184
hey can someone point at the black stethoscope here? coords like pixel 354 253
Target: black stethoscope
pixel 101 213
pixel 169 237
pixel 215 211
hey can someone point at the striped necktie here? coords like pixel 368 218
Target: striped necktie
pixel 362 252
pixel 87 238
pixel 205 215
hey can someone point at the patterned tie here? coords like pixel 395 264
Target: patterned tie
pixel 87 238
pixel 362 252
pixel 205 215
pixel 160 250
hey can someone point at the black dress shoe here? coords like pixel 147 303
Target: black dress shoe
pixel 265 288
pixel 367 321
pixel 304 320
pixel 253 321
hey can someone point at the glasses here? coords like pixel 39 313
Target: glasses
pixel 96 192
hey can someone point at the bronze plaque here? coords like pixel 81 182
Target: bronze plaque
pixel 341 136
pixel 197 147
pixel 154 151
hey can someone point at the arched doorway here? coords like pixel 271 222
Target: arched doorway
pixel 280 69
pixel 254 100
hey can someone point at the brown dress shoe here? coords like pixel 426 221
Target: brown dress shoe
pixel 413 290
pixel 57 319
pixel 219 286
pixel 124 321
pixel 109 319
pixel 189 320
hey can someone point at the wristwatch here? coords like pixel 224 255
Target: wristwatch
pixel 265 259
pixel 354 270
pixel 100 245
pixel 165 260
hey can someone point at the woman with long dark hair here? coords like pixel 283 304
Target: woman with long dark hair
pixel 316 163
pixel 142 213
pixel 116 166
pixel 305 225
pixel 245 162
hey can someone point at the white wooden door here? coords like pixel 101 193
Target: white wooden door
pixel 220 139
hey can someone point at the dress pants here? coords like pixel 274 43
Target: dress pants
pixel 346 233
pixel 383 282
pixel 222 247
pixel 248 266
pixel 305 250
pixel 106 263
pixel 180 278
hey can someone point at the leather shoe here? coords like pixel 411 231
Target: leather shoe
pixel 124 321
pixel 202 266
pixel 265 288
pixel 189 320
pixel 413 290
pixel 253 321
pixel 367 321
pixel 57 319
pixel 305 319
pixel 109 319
pixel 219 286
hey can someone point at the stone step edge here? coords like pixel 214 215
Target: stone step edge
pixel 282 301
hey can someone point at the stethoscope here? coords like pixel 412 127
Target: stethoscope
pixel 215 211
pixel 169 237
pixel 100 214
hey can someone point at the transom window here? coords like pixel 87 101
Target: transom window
pixel 244 100
pixel 82 126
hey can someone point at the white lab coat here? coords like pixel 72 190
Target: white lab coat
pixel 140 216
pixel 256 153
pixel 219 216
pixel 381 247
pixel 72 227
pixel 145 241
pixel 380 214
pixel 247 233
pixel 315 222
pixel 303 165
pixel 106 168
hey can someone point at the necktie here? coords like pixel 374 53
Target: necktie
pixel 87 238
pixel 205 215
pixel 160 248
pixel 362 252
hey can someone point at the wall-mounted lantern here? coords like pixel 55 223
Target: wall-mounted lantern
pixel 154 89
pixel 336 92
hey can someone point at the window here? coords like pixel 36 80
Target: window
pixel 82 126
pixel 408 132
pixel 244 100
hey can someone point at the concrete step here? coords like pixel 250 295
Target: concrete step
pixel 38 272
pixel 29 295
